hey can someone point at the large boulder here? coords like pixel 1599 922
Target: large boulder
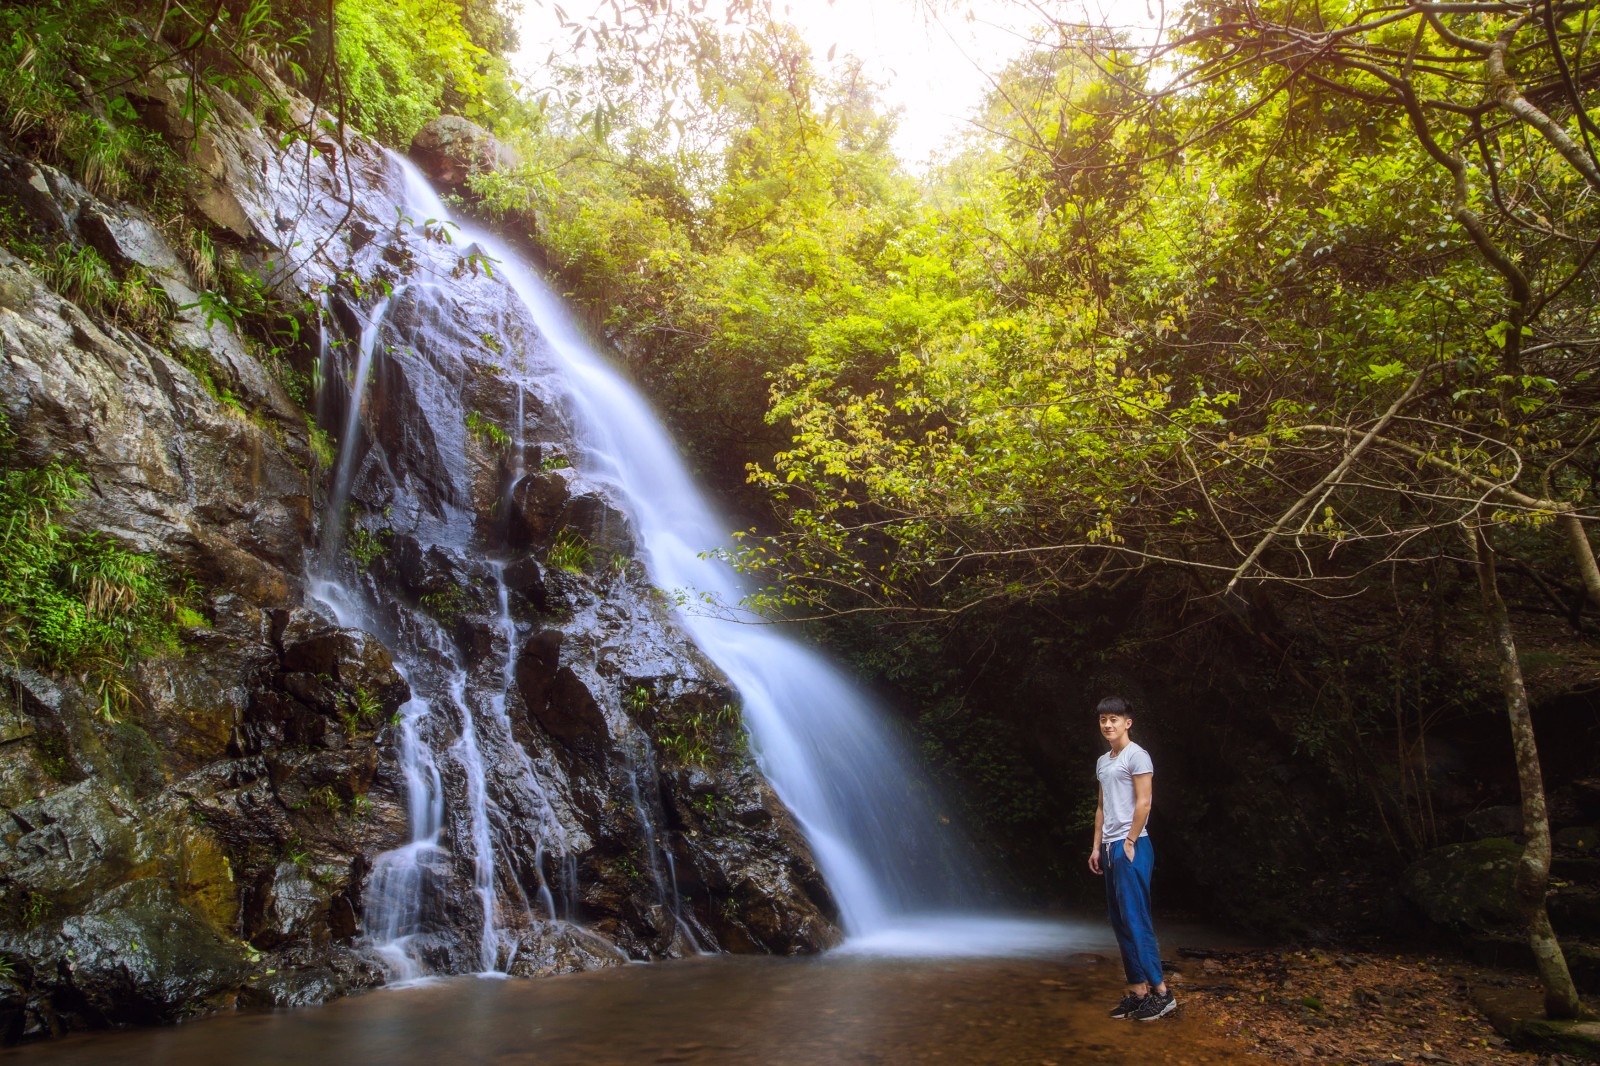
pixel 141 955
pixel 451 149
pixel 1467 887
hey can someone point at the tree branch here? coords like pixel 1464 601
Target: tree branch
pixel 1281 526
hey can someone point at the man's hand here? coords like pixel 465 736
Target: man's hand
pixel 1094 860
pixel 1127 848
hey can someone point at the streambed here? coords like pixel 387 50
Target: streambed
pixel 819 1011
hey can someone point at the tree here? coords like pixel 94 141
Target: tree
pixel 1346 309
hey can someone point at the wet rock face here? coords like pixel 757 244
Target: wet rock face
pixel 240 823
pixel 229 818
pixel 450 149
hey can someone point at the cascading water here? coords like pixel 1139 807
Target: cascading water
pixel 512 830
pixel 454 722
pixel 824 745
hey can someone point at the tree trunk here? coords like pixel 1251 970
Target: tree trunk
pixel 1533 871
pixel 1582 553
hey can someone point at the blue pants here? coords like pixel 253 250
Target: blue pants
pixel 1128 904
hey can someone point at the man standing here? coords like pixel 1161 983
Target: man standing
pixel 1122 853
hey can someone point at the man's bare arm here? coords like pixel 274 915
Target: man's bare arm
pixel 1141 809
pixel 1099 827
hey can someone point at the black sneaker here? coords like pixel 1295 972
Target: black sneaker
pixel 1154 1006
pixel 1129 1004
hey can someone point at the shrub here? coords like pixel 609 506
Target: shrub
pixel 76 603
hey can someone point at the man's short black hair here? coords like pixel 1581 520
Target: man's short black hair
pixel 1115 705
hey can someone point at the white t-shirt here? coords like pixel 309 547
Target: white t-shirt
pixel 1116 790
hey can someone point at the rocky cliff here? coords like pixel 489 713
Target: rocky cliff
pixel 425 712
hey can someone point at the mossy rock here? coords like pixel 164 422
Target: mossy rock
pixel 1468 886
pixel 1578 838
pixel 1580 1039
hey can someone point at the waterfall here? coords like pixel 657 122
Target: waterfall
pixel 491 866
pixel 828 750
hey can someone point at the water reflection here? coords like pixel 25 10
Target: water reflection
pixel 713 1011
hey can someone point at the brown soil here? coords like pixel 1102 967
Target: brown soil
pixel 1352 1007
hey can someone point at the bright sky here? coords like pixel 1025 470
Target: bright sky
pixel 934 70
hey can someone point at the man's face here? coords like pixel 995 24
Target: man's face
pixel 1114 727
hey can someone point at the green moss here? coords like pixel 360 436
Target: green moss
pixel 321 444
pixel 51 752
pixel 199 364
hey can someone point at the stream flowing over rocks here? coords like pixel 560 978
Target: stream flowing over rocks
pixel 439 719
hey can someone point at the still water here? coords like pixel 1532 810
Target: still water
pixel 827 1011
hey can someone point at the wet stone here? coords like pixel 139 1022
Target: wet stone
pixel 535 508
pixel 450 149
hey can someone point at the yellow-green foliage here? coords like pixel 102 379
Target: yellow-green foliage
pixel 570 552
pixel 76 602
pixel 321 443
pixel 54 52
pixel 399 58
pixel 487 431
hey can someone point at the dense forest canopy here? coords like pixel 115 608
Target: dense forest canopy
pixel 1285 295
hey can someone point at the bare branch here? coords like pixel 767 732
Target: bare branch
pixel 1281 526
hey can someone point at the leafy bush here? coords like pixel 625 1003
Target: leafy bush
pixel 76 603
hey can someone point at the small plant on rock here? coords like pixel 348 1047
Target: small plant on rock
pixel 35 909
pixel 365 545
pixel 696 738
pixel 359 708
pixel 83 276
pixel 638 698
pixel 570 552
pixel 294 850
pixel 326 797
pixel 486 430
pixel 445 607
